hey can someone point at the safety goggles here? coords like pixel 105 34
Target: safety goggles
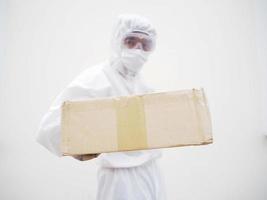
pixel 137 41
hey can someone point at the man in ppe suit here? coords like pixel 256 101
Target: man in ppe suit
pixel 132 175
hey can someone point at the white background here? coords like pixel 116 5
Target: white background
pixel 218 45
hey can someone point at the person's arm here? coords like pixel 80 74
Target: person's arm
pixel 49 130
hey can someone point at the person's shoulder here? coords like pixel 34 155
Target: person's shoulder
pixel 89 73
pixel 92 76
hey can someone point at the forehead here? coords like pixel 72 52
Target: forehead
pixel 140 32
pixel 137 34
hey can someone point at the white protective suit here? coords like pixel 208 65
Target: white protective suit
pixel 132 175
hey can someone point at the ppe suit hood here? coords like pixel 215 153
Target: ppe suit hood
pixel 124 25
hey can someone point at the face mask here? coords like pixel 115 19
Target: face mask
pixel 133 59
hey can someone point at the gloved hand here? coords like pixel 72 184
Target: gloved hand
pixel 85 157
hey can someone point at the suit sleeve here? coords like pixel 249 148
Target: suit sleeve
pixel 48 134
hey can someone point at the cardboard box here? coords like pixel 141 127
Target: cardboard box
pixel 156 120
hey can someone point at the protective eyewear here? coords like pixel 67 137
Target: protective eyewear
pixel 135 41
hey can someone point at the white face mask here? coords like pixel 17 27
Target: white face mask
pixel 133 59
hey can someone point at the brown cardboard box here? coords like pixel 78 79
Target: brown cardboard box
pixel 157 120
